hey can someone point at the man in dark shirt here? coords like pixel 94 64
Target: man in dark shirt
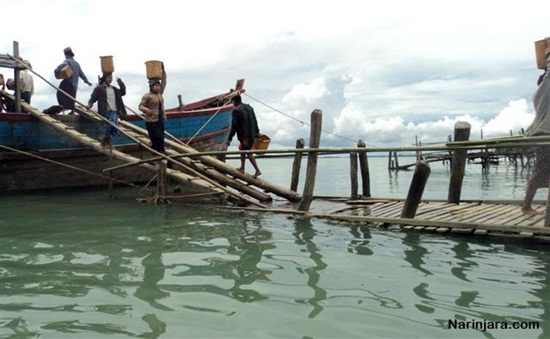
pixel 244 124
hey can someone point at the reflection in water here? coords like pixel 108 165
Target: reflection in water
pixel 463 254
pixel 153 272
pixel 250 248
pixel 174 271
pixel 304 234
pixel 360 241
pixel 416 252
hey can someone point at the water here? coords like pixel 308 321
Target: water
pixel 77 265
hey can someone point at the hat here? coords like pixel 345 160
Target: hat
pixel 68 51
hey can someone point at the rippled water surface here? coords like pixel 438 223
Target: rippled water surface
pixel 77 265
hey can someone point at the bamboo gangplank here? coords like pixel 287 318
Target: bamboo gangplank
pixel 140 136
pixel 123 157
pixel 207 165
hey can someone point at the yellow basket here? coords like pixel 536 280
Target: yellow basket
pixel 107 64
pixel 65 73
pixel 261 142
pixel 153 68
pixel 540 54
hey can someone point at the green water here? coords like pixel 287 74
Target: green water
pixel 77 265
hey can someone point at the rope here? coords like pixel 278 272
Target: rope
pixel 204 125
pixel 300 121
pixel 70 166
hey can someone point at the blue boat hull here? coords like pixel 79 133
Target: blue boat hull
pixel 23 132
pixel 37 157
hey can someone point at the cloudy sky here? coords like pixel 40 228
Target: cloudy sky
pixel 381 71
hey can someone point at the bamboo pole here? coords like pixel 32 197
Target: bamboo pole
pixel 458 163
pixel 335 150
pixel 364 164
pixel 314 141
pixel 296 165
pixel 418 183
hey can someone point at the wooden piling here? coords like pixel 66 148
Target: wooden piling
pixel 364 164
pixel 296 165
pixel 353 174
pixel 161 180
pixel 311 171
pixel 111 194
pixel 547 216
pixel 458 162
pixel 16 78
pixel 418 183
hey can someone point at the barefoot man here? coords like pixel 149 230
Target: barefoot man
pixel 244 124
pixel 540 173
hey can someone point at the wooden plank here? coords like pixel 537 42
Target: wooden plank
pixel 394 212
pixel 439 224
pixel 385 207
pixel 507 215
pixel 485 213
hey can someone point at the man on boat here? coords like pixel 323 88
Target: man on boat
pixel 244 124
pixel 152 105
pixel 70 85
pixel 109 105
pixel 27 83
pixel 540 174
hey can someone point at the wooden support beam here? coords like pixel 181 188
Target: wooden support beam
pixel 314 141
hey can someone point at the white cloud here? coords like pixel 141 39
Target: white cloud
pixel 381 72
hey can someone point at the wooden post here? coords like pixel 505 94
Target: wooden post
pixel 416 144
pixel 353 174
pixel 547 216
pixel 396 160
pixel 418 183
pixel 311 171
pixel 161 181
pixel 365 175
pixel 458 162
pixel 389 160
pixel 111 195
pixel 180 102
pixel 296 165
pixel 16 78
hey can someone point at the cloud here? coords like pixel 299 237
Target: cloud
pixel 382 73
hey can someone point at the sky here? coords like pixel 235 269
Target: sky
pixel 385 72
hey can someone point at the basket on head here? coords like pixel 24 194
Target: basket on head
pixel 107 64
pixel 153 69
pixel 540 47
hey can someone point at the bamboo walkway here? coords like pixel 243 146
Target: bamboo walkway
pixel 473 218
pixel 477 218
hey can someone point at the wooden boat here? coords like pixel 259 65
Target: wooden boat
pixel 36 156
